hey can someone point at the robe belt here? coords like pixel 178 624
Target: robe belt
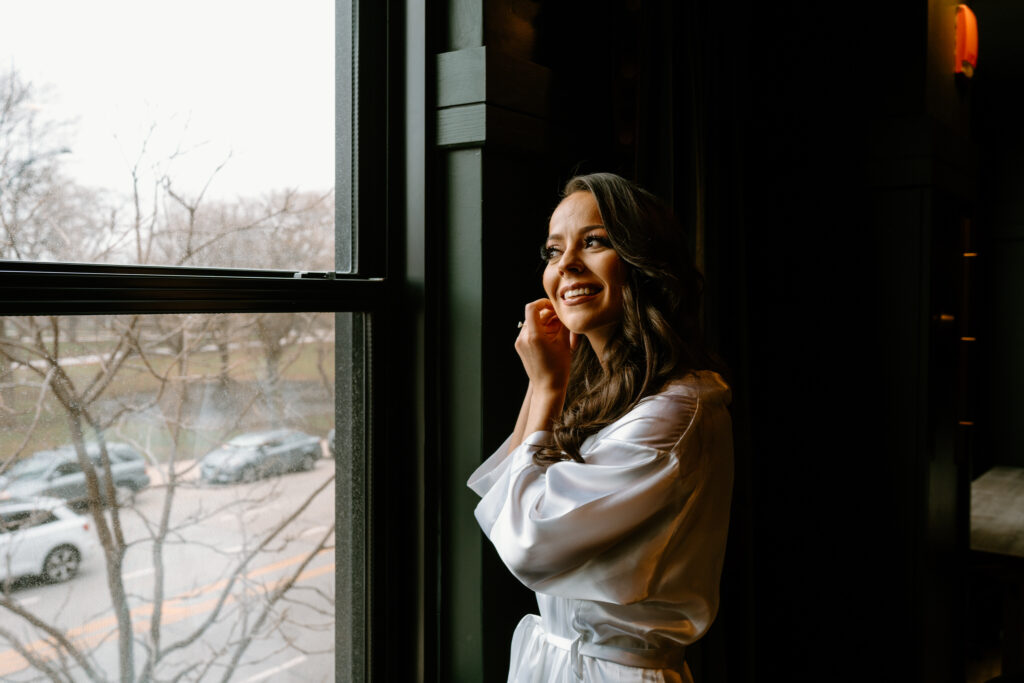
pixel 655 658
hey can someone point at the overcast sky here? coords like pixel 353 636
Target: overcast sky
pixel 249 78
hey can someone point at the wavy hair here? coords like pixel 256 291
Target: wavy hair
pixel 659 339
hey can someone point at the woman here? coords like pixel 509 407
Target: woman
pixel 611 497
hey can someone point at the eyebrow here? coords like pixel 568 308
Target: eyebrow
pixel 583 230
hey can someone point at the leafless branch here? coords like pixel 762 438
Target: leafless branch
pixel 37 663
pixel 243 563
pixel 278 592
pixel 55 634
pixel 43 390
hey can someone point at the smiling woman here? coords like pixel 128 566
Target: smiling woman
pixel 584 274
pixel 611 497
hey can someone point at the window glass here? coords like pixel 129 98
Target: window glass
pixel 191 133
pixel 16 520
pixel 229 566
pixel 39 518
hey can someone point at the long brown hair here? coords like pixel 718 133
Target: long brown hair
pixel 659 339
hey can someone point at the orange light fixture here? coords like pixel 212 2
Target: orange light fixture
pixel 966 41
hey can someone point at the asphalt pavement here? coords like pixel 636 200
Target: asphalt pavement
pixel 207 586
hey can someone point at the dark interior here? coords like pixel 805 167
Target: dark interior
pixel 833 173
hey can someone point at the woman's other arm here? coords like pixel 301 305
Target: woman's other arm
pixel 524 413
pixel 545 407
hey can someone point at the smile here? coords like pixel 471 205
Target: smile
pixel 580 294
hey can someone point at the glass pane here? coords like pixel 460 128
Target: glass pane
pixel 190 133
pixel 207 492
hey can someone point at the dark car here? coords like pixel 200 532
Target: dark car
pixel 58 474
pixel 254 455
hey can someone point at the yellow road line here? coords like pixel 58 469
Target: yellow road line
pixel 174 610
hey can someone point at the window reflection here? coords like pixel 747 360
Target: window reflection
pixel 188 456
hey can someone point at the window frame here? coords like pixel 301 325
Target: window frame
pixel 371 171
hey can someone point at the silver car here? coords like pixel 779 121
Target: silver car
pixel 42 537
pixel 58 474
pixel 254 455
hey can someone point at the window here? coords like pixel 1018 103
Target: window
pixel 170 319
pixel 13 521
pixel 151 145
pixel 24 519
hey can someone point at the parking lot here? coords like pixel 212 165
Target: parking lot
pixel 203 583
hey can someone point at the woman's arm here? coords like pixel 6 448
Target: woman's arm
pixel 545 347
pixel 547 524
pixel 524 412
pixel 545 407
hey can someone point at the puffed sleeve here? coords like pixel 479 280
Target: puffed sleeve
pixel 597 530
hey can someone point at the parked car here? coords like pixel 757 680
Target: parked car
pixel 42 537
pixel 57 473
pixel 248 457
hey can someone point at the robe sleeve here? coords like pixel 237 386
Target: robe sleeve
pixel 596 530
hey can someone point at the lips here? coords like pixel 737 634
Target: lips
pixel 579 293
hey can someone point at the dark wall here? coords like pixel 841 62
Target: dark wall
pixel 826 515
pixel 816 153
pixel 858 177
pixel 998 111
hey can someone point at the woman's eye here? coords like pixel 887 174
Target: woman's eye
pixel 596 241
pixel 548 253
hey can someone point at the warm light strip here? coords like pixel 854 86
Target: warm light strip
pixel 966 423
pixel 968 339
pixel 970 254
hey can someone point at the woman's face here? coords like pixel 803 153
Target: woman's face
pixel 584 275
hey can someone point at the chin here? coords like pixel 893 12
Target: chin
pixel 576 327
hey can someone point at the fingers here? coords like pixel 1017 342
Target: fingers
pixel 546 317
pixel 539 311
pixel 541 326
pixel 543 345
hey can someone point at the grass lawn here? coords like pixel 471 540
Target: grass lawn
pixel 301 399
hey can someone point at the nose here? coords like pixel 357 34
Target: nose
pixel 570 261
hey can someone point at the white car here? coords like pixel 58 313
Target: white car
pixel 42 537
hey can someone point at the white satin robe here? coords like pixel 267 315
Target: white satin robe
pixel 624 550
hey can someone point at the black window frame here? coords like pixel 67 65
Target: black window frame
pixel 374 194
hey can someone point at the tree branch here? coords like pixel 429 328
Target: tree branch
pixel 53 633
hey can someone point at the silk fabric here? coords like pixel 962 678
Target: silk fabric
pixel 624 550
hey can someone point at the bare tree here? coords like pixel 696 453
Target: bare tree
pixel 175 375
pixel 131 377
pixel 29 152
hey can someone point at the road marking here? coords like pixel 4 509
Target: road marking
pixel 138 574
pixel 276 670
pixel 175 609
pixel 250 515
pixel 25 602
pixel 313 531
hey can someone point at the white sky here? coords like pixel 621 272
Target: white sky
pixel 249 78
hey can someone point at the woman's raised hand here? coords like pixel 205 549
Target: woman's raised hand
pixel 545 346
